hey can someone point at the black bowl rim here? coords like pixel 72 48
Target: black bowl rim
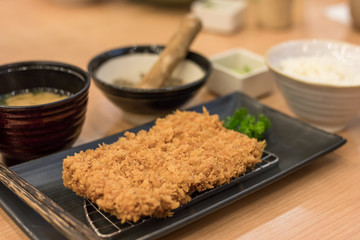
pixel 99 59
pixel 44 64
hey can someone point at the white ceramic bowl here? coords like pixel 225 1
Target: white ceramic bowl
pixel 220 16
pixel 230 73
pixel 329 97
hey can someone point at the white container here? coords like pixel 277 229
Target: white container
pixel 240 70
pixel 223 16
pixel 328 104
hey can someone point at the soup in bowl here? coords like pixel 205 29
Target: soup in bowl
pixel 42 108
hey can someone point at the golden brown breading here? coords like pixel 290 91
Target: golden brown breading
pixel 154 172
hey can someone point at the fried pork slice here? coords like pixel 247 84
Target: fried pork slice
pixel 151 173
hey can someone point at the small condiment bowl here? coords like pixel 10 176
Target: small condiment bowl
pixel 130 64
pixel 240 70
pixel 219 16
pixel 323 101
pixel 29 132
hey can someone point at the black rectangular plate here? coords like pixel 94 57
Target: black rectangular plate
pixel 294 142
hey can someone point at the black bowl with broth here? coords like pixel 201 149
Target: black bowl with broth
pixel 145 101
pixel 29 132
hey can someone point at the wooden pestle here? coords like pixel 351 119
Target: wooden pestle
pixel 174 52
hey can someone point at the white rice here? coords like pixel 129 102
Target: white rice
pixel 322 69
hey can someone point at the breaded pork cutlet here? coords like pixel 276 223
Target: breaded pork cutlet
pixel 151 173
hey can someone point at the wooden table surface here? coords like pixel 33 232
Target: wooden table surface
pixel 320 201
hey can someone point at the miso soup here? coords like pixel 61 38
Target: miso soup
pixel 36 96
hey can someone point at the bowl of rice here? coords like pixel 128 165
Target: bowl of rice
pixel 319 79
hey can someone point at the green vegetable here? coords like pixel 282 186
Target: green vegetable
pixel 243 70
pixel 208 3
pixel 242 121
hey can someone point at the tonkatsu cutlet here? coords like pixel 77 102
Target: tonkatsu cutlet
pixel 153 172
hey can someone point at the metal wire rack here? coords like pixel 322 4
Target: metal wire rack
pixel 108 226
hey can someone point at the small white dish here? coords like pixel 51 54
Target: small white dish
pixel 225 16
pixel 240 70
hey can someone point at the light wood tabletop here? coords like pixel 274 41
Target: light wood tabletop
pixel 319 201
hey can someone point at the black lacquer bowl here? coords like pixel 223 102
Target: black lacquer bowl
pixel 133 62
pixel 29 132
